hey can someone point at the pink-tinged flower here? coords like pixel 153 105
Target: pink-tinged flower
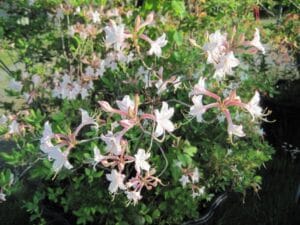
pixel 114 35
pixel 98 157
pixel 253 106
pixel 227 62
pixel 60 159
pixel 116 181
pixel 216 47
pixel 140 161
pixel 14 127
pixel 162 118
pixel 235 130
pixel 198 109
pixel 184 180
pixel 106 106
pixel 157 45
pixel 127 124
pixel 113 142
pixel 133 196
pixel 86 119
pixel 199 89
pixel 256 42
pixel 126 105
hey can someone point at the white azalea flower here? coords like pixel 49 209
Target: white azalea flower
pixel 199 88
pixel 45 142
pixel 198 109
pixel 140 161
pixel 216 47
pixel 161 86
pixel 36 79
pixel 86 119
pixel 195 177
pixel 157 45
pixel 253 106
pixel 235 130
pixel 198 192
pixel 256 42
pixel 227 62
pixel 2 196
pixel 114 35
pixel 96 17
pixel 162 118
pixel 133 196
pixel 126 104
pixel 113 142
pixel 14 127
pixel 184 180
pixel 60 159
pixel 116 181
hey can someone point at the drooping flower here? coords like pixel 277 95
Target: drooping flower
pixel 140 161
pixel 256 42
pixel 116 181
pixel 157 45
pixel 235 130
pixel 253 106
pixel 162 118
pixel 133 196
pixel 2 196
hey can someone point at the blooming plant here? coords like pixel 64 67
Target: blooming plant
pixel 107 126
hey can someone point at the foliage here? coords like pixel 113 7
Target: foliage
pixel 123 121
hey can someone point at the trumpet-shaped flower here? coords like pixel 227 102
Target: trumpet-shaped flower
pixel 157 45
pixel 235 130
pixel 184 180
pixel 140 161
pixel 97 155
pixel 60 159
pixel 14 127
pixel 198 109
pixel 114 35
pixel 126 105
pixel 216 47
pixel 116 181
pixel 253 106
pixel 113 142
pixel 227 62
pixel 133 196
pixel 162 118
pixel 256 42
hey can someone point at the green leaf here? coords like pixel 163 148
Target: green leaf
pixel 178 7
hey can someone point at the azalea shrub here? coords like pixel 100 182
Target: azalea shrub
pixel 132 115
